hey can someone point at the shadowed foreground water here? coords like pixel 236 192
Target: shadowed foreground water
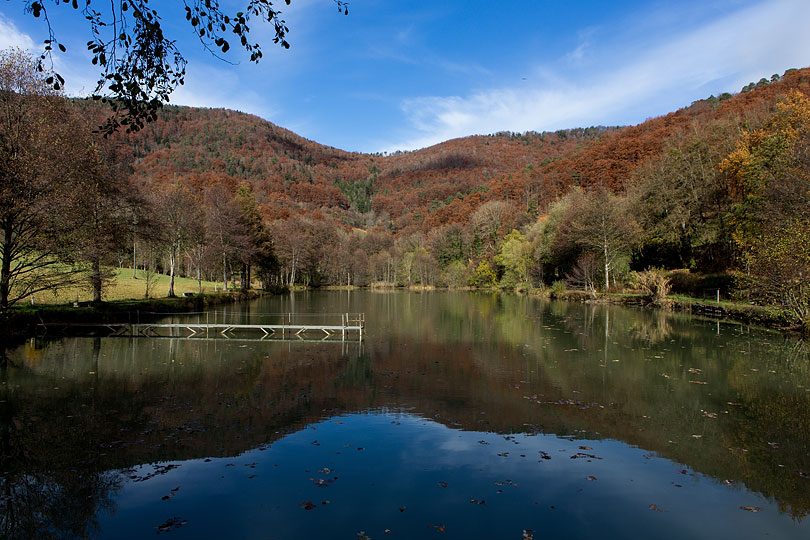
pixel 464 415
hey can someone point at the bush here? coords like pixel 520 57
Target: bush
pixel 557 289
pixel 483 276
pixel 654 284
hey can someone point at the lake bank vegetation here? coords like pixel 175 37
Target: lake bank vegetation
pixel 713 199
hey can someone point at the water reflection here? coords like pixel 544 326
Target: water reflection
pixel 81 416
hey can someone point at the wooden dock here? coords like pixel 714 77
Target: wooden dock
pixel 350 323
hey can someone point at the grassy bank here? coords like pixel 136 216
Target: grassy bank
pixel 23 320
pixel 125 287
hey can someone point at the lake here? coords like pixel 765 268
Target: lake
pixel 462 415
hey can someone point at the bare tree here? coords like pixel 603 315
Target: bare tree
pixel 488 220
pixel 182 219
pixel 36 194
pixel 104 206
pixel 599 222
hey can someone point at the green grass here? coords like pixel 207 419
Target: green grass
pixel 124 287
pixel 728 304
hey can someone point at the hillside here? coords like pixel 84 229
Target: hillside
pixel 719 186
pixel 612 160
pixel 293 176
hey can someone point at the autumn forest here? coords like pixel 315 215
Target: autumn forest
pixel 718 191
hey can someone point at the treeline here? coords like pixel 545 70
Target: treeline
pixel 721 186
pixel 71 209
pixel 728 196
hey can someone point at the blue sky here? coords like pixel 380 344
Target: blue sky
pixel 408 74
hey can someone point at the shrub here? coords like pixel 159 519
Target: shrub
pixel 483 276
pixel 557 289
pixel 654 284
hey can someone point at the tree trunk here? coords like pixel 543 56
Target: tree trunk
pixel 95 279
pixel 224 273
pixel 172 256
pixel 607 267
pixel 5 272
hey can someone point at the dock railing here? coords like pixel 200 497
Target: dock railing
pixel 226 323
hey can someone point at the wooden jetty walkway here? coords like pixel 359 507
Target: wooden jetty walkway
pixel 349 323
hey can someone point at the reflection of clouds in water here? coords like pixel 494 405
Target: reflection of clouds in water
pixel 457 444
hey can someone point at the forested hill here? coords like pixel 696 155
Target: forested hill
pixel 291 175
pixel 612 160
pixel 423 189
pixel 721 186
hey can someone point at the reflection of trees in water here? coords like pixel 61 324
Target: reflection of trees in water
pixel 681 372
pixel 796 353
pixel 653 329
pixel 594 322
pixel 44 505
pixel 44 491
pixel 467 360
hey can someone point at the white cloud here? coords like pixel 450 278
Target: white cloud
pixel 198 91
pixel 721 56
pixel 77 81
pixel 11 36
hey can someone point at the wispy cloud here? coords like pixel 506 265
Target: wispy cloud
pixel 229 91
pixel 78 82
pixel 11 36
pixel 722 55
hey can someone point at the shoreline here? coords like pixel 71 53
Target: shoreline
pixel 23 322
pixel 770 317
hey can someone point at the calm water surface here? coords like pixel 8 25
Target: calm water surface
pixel 460 415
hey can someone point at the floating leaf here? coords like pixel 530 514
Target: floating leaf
pixel 170 524
pixel 581 455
